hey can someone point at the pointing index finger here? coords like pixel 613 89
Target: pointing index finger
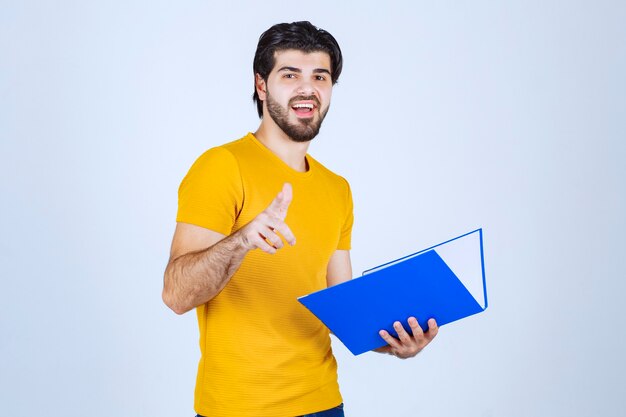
pixel 280 204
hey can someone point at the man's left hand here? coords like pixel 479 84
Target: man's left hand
pixel 407 346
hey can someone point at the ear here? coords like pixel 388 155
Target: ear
pixel 261 86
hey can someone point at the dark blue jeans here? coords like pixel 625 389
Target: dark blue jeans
pixel 333 412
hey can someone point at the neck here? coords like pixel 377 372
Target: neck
pixel 290 152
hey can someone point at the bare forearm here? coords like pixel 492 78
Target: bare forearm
pixel 195 278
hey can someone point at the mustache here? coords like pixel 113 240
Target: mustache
pixel 304 98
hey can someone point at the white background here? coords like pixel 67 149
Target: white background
pixel 448 116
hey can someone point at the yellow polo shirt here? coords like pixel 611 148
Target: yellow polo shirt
pixel 263 353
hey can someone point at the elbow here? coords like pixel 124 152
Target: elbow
pixel 179 311
pixel 172 304
pixel 169 297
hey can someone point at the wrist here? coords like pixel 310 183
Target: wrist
pixel 239 241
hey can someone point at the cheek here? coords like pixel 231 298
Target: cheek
pixel 326 95
pixel 325 101
pixel 280 95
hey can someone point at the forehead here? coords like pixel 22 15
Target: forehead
pixel 303 60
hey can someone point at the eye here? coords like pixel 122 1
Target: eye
pixel 320 78
pixel 289 75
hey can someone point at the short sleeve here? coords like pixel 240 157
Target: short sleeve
pixel 345 239
pixel 211 194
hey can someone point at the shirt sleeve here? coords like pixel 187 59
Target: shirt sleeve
pixel 211 194
pixel 345 239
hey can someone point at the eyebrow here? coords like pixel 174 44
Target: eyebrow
pixel 298 70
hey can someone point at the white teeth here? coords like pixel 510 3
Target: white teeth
pixel 307 106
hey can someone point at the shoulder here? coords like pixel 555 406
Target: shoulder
pixel 220 158
pixel 337 181
pixel 217 155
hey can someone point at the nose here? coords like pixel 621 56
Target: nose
pixel 305 88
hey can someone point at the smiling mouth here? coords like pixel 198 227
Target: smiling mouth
pixel 304 109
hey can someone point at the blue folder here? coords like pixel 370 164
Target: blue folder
pixel 445 282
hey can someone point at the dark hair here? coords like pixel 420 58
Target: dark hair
pixel 302 36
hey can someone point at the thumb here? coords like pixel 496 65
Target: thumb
pixel 280 204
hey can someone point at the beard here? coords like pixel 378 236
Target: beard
pixel 304 130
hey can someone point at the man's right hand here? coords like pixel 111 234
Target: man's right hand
pixel 203 261
pixel 261 232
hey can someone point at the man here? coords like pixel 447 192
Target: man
pixel 260 223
